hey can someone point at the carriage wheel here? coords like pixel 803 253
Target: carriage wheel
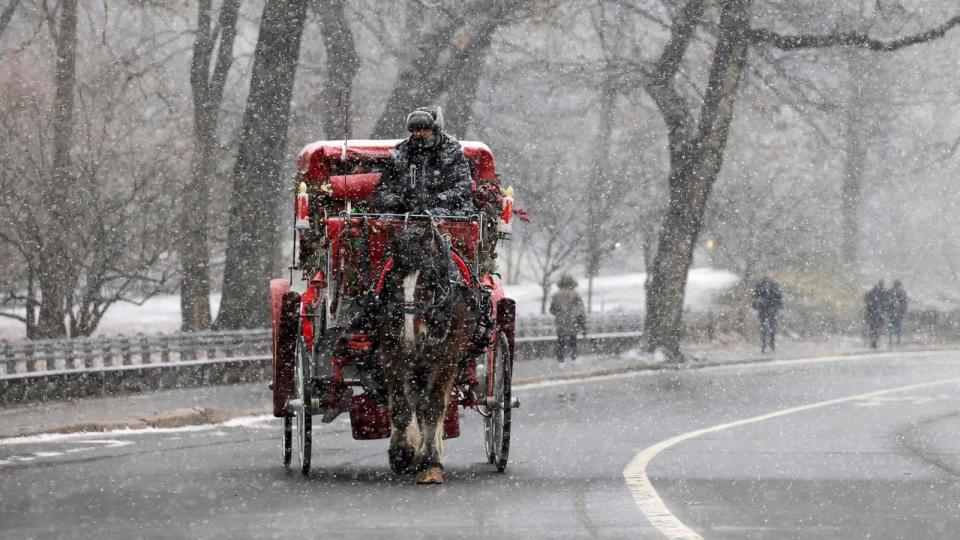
pixel 498 374
pixel 286 440
pixel 304 412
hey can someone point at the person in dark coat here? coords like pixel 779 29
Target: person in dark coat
pixel 896 310
pixel 570 317
pixel 874 303
pixel 767 300
pixel 427 172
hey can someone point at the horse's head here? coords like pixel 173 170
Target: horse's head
pixel 414 247
pixel 420 281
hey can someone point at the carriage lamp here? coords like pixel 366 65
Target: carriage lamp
pixel 303 207
pixel 506 212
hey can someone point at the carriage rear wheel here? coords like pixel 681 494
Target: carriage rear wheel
pixel 498 373
pixel 304 411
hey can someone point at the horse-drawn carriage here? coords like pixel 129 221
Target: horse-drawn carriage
pixel 401 322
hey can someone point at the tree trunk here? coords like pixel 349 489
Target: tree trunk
pixel 856 156
pixel 600 192
pixel 545 295
pixel 692 175
pixel 254 228
pixel 441 63
pixel 31 309
pixel 465 74
pixel 207 91
pixel 193 247
pixel 342 65
pixel 7 15
pixel 56 279
pixel 418 82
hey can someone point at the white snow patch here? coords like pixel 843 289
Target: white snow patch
pixel 640 357
pixel 625 293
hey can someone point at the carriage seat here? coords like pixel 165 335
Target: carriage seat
pixel 361 187
pixel 354 187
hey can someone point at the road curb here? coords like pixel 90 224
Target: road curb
pixel 161 420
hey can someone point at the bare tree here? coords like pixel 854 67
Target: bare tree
pixel 448 58
pixel 208 75
pixel 696 154
pixel 56 280
pixel 605 189
pixel 343 62
pixel 107 232
pixel 254 229
pixel 552 240
pixel 696 149
pixel 7 14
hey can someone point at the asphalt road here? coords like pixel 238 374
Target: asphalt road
pixel 842 448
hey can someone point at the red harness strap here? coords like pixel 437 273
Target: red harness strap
pixel 383 274
pixel 461 266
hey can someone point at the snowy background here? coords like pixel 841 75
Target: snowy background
pixel 624 293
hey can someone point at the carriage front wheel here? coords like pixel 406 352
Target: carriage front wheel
pixel 498 371
pixel 304 409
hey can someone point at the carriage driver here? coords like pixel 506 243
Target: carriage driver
pixel 426 172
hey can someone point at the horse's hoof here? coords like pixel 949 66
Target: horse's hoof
pixel 401 459
pixel 433 475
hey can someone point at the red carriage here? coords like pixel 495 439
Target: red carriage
pixel 326 353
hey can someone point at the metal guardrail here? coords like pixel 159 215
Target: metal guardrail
pixel 24 359
pixel 597 323
pixel 41 357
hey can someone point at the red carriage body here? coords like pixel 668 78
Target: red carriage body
pixel 321 365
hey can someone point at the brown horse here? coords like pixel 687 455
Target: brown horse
pixel 426 321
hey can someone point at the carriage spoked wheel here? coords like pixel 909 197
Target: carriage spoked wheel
pixel 496 421
pixel 304 410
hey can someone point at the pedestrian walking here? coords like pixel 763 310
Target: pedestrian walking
pixel 873 312
pixel 896 310
pixel 569 316
pixel 767 300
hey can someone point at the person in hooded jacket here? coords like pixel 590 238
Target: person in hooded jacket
pixel 570 317
pixel 767 300
pixel 874 303
pixel 896 308
pixel 427 172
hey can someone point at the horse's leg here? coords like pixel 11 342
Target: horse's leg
pixel 404 433
pixel 431 412
pixel 434 406
pixel 396 336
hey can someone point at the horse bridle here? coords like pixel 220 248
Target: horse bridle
pixel 447 277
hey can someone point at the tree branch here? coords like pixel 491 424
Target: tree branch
pixel 8 14
pixel 851 39
pixel 660 87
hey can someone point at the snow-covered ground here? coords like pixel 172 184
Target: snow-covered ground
pixel 625 293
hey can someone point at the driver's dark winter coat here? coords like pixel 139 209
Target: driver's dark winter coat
pixel 435 179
